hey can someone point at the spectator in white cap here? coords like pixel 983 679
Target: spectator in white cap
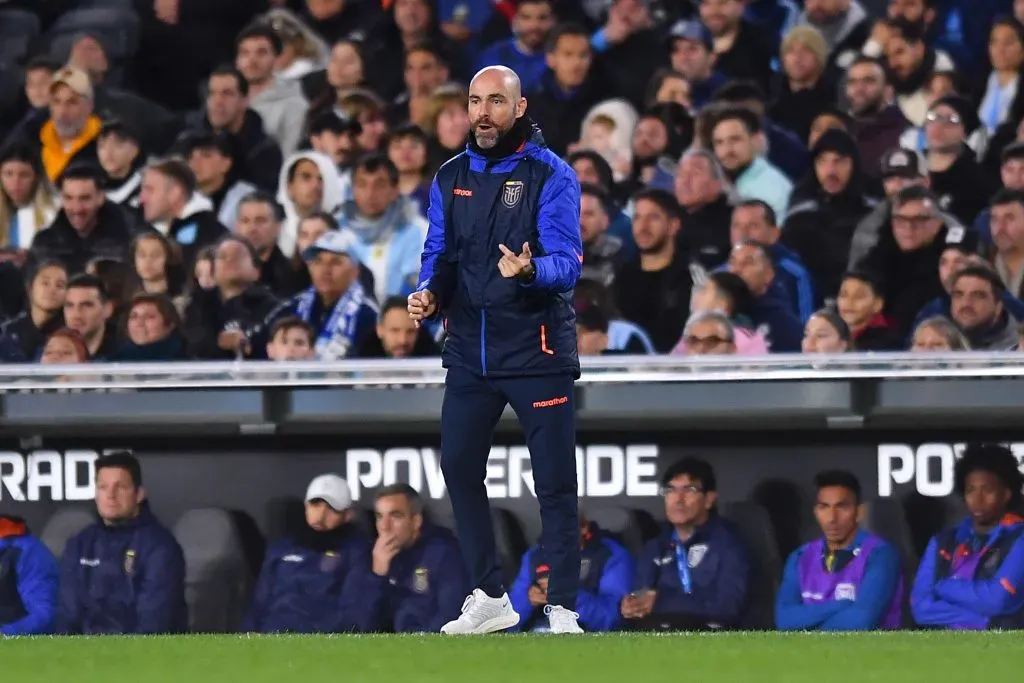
pixel 318 580
pixel 71 130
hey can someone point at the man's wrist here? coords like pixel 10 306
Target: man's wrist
pixel 528 274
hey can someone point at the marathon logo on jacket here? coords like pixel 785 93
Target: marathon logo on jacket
pixel 47 476
pixel 926 469
pixel 603 471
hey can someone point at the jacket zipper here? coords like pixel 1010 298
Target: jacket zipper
pixel 483 341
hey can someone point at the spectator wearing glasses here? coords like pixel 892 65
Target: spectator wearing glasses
pixel 708 333
pixel 956 177
pixel 727 294
pixel 696 574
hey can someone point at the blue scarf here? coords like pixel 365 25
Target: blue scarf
pixel 336 337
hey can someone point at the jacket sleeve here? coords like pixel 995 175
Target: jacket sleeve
pixel 727 599
pixel 927 608
pixel 558 228
pixel 519 594
pixel 361 595
pixel 161 593
pixel 199 338
pixel 253 620
pixel 881 578
pixel 599 611
pixel 69 608
pixel 436 274
pixel 1002 594
pixel 791 613
pixel 646 570
pixel 37 586
pixel 450 573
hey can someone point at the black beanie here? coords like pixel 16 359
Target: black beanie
pixel 835 140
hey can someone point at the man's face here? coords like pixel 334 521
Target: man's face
pixel 146 324
pixel 157 195
pixel 709 338
pixel 751 223
pixel 310 231
pixel 986 497
pixel 801 64
pixel 1008 226
pixel 37 87
pixel 397 333
pixel 721 16
pixel 823 11
pixel 225 103
pixel 306 188
pixel 116 154
pixel 332 274
pixel 952 261
pixel 1012 174
pixel 532 23
pixel 911 10
pixel 686 501
pixel 408 154
pixel 423 73
pixel 85 311
pixel 233 265
pixel 49 288
pixel 493 108
pixel 692 59
pixel 904 58
pixel 586 171
pixel 734 145
pixel 893 184
pixel 695 183
pixel 338 146
pixel 373 192
pixel 943 129
pixel 69 111
pixel 570 60
pixel 593 218
pixel 290 343
pixel 210 167
pixel 833 171
pixel 322 517
pixel 412 16
pixel 649 138
pixel 395 517
pixel 865 89
pixel 751 265
pixel 257 224
pixel 974 303
pixel 838 514
pixel 914 225
pixel 117 497
pixel 82 201
pixel 653 229
pixel 324 9
pixel 255 60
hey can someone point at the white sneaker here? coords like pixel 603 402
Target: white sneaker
pixel 562 620
pixel 483 614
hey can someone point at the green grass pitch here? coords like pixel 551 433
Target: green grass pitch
pixel 929 657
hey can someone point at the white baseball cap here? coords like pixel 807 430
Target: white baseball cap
pixel 331 489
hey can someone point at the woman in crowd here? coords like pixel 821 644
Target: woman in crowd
pixel 938 334
pixel 667 85
pixel 447 124
pixel 343 74
pixel 726 293
pixel 826 332
pixel 157 262
pixel 153 331
pixel 368 109
pixel 1004 98
pixel 27 202
pixel 64 347
pixel 119 281
pixel 46 290
pixel 407 149
pixel 860 305
pixel 303 52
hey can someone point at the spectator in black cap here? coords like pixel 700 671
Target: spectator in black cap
pixel 209 158
pixel 741 49
pixel 1011 173
pixel 878 123
pixel 336 137
pixel 803 89
pixel 171 205
pixel 692 53
pixel 860 303
pixel 911 62
pixel 825 209
pixel 826 332
pixel 120 155
pixel 957 178
pixel 977 309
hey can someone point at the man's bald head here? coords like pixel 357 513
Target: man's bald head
pixel 495 103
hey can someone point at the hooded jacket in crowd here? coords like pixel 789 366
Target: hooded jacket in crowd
pixel 1001 335
pixel 283 110
pixel 125 578
pixel 28 581
pixel 963 189
pixel 336 190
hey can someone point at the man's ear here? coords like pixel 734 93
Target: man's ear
pixel 521 107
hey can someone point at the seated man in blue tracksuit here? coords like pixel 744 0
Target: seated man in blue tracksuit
pixel 417 566
pixel 846 580
pixel 971 576
pixel 696 574
pixel 28 581
pixel 125 574
pixel 606 576
pixel 318 580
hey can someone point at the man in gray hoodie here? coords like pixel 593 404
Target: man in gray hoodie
pixel 279 102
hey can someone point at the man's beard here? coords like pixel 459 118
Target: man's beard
pixel 489 138
pixel 656 248
pixel 869 109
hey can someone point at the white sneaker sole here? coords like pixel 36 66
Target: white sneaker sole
pixel 489 626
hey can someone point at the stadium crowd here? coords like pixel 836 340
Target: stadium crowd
pixel 126 573
pixel 182 179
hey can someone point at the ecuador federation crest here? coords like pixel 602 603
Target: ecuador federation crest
pixel 696 554
pixel 129 562
pixel 511 193
pixel 420 580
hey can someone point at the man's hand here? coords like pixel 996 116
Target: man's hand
pixel 880 33
pixel 384 550
pixel 421 305
pixel 538 596
pixel 638 605
pixel 520 266
pixel 167 10
pixel 234 341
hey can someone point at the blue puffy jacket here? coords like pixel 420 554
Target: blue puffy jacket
pixel 498 326
pixel 28 582
pixel 127 578
pixel 306 590
pixel 425 584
